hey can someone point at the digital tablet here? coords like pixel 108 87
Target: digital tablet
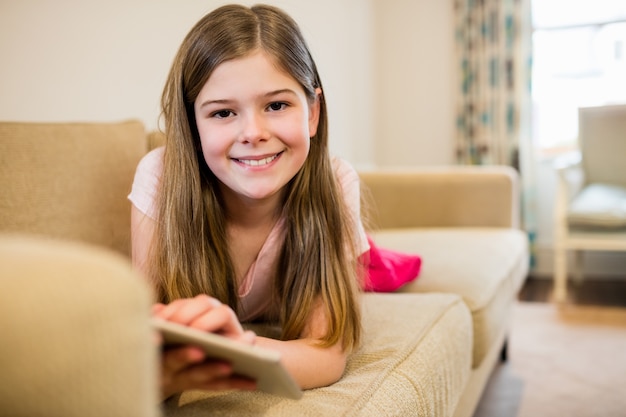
pixel 260 364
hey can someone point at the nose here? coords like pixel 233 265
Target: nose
pixel 254 128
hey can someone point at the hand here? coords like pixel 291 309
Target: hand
pixel 188 367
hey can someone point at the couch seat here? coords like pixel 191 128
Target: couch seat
pixel 415 359
pixel 490 265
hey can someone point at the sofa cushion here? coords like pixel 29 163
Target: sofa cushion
pixel 486 266
pixel 415 360
pixel 70 180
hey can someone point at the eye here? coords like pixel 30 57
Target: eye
pixel 222 114
pixel 277 106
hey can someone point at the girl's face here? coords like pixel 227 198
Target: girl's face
pixel 255 122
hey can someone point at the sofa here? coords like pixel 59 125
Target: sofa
pixel 77 336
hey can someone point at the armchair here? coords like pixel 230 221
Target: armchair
pixel 590 206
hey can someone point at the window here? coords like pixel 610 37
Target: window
pixel 579 60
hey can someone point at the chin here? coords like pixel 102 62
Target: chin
pixel 260 194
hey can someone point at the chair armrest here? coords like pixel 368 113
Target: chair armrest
pixel 570 175
pixel 570 180
pixel 450 196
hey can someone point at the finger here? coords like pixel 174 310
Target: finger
pixel 174 360
pixel 234 382
pixel 208 372
pixel 208 375
pixel 184 311
pixel 216 375
pixel 248 337
pixel 157 307
pixel 221 320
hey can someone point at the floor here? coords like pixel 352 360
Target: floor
pixel 503 394
pixel 591 291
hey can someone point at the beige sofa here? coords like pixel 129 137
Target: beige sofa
pixel 428 349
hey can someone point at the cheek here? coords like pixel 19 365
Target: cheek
pixel 297 133
pixel 212 149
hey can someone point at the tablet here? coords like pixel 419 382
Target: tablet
pixel 260 364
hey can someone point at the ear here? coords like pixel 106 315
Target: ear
pixel 314 113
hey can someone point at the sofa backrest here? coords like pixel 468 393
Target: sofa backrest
pixel 70 180
pixel 447 196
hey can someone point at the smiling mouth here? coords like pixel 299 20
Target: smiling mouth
pixel 258 162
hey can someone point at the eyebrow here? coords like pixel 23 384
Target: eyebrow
pixel 266 95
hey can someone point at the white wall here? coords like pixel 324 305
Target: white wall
pixel 385 67
pixel 84 60
pixel 88 60
pixel 414 82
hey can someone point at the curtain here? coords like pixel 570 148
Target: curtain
pixel 493 52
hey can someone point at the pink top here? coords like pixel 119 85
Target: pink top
pixel 254 290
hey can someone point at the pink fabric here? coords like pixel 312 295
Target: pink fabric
pixel 388 270
pixel 255 292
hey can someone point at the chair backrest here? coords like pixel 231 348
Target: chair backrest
pixel 70 180
pixel 602 140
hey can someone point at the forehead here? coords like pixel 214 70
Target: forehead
pixel 256 71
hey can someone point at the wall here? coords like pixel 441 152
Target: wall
pixel 414 82
pixel 386 67
pixel 82 60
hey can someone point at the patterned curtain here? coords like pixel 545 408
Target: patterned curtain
pixel 493 51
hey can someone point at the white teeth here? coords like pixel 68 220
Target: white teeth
pixel 258 162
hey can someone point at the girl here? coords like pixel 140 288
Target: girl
pixel 244 203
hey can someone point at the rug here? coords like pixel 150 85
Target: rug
pixel 563 361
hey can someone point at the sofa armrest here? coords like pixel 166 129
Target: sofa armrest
pixel 76 335
pixel 454 196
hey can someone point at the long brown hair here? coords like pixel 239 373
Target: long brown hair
pixel 190 250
